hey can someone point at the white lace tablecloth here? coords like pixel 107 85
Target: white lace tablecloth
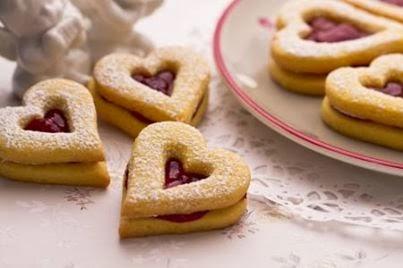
pixel 306 210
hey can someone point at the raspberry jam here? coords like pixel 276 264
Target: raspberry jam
pixel 329 31
pixel 183 217
pixel 142 118
pixel 199 105
pixel 394 2
pixel 176 175
pixel 163 81
pixel 393 89
pixel 53 122
pixel 126 177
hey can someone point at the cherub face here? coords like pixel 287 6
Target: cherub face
pixel 27 18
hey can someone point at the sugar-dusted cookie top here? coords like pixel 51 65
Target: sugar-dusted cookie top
pixel 167 85
pixel 373 93
pixel 366 36
pixel 57 124
pixel 220 178
pixel 392 9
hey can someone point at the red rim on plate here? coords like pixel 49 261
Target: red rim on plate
pixel 251 104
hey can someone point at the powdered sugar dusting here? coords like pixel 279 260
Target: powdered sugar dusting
pixel 380 7
pixel 114 82
pixel 348 92
pixel 227 183
pixel 289 42
pixel 33 147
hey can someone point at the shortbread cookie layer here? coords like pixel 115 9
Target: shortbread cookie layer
pixel 358 91
pixel 122 80
pixel 308 84
pixel 227 174
pixel 174 184
pixel 78 174
pixel 132 123
pixel 292 51
pixel 379 7
pixel 363 130
pixel 80 144
pixel 214 219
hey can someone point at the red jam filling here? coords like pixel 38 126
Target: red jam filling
pixel 330 31
pixel 163 81
pixel 183 217
pixel 199 105
pixel 126 177
pixel 53 122
pixel 394 2
pixel 141 118
pixel 176 175
pixel 393 89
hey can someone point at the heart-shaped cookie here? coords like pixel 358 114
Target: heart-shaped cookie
pixel 168 85
pixel 392 9
pixel 367 103
pixel 353 91
pixel 304 43
pixel 208 189
pixel 308 84
pixel 53 133
pixel 82 144
pixel 364 130
pixel 132 122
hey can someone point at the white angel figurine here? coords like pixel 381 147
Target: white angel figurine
pixel 45 38
pixel 111 25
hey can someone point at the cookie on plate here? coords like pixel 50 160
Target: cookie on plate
pixel 392 9
pixel 367 103
pixel 315 37
pixel 307 84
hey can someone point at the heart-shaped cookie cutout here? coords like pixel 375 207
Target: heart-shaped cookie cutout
pixel 369 93
pixel 392 9
pixel 292 49
pixel 222 177
pixel 135 83
pixel 60 106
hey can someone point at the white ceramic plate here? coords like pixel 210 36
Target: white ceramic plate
pixel 241 53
